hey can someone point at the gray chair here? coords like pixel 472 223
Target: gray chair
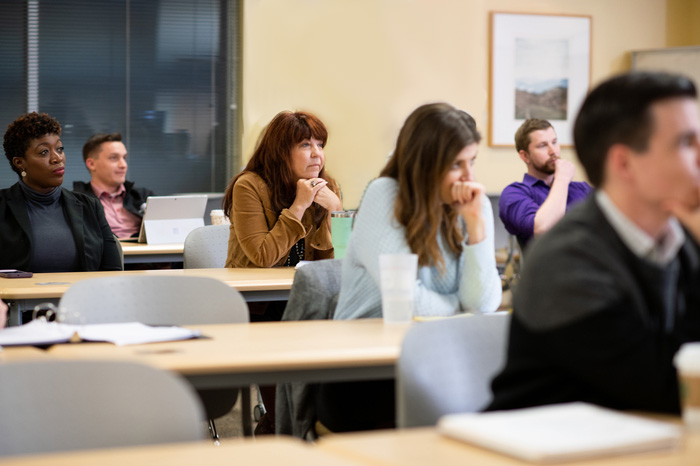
pixel 206 247
pixel 314 296
pixel 501 235
pixel 315 290
pixel 446 367
pixel 120 249
pixel 52 406
pixel 161 300
pixel 509 270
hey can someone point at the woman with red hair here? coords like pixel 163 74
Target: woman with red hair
pixel 279 207
pixel 280 204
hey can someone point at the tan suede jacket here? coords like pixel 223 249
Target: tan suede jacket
pixel 261 237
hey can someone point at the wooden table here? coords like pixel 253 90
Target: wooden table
pixel 236 355
pixel 423 446
pixel 240 355
pixel 255 284
pixel 137 253
pixel 21 354
pixel 267 451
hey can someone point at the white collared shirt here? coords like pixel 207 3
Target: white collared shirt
pixel 660 251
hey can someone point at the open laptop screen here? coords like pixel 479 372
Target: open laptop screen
pixel 169 219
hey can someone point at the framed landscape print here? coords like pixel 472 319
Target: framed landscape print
pixel 540 68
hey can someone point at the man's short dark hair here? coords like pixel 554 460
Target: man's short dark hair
pixel 96 140
pixel 522 135
pixel 618 112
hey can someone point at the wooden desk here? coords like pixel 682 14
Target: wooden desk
pixel 236 355
pixel 423 446
pixel 240 355
pixel 255 284
pixel 266 451
pixel 137 253
pixel 21 354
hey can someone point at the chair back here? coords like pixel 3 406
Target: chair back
pixel 120 249
pixel 446 367
pixel 314 296
pixel 315 290
pixel 52 406
pixel 206 247
pixel 160 300
pixel 154 300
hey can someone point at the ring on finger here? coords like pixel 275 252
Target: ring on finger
pixel 313 183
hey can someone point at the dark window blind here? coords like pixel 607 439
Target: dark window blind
pixel 154 71
pixel 13 95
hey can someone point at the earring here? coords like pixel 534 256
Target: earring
pixel 24 173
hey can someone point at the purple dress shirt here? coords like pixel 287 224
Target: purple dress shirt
pixel 519 203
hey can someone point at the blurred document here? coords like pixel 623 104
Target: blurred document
pixel 129 333
pixel 564 432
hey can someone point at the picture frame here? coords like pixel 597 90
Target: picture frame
pixel 540 67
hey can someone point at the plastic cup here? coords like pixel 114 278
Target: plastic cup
pixel 687 362
pixel 218 217
pixel 341 226
pixel 397 276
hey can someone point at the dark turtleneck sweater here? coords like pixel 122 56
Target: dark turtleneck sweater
pixel 54 246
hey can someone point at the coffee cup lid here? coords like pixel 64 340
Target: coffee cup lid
pixel 343 213
pixel 687 359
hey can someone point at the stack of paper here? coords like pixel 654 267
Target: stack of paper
pixel 565 432
pixel 130 333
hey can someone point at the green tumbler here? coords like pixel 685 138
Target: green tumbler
pixel 341 225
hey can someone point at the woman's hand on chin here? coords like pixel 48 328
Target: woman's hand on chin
pixel 328 200
pixel 306 193
pixel 467 197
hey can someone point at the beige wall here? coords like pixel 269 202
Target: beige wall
pixel 682 19
pixel 363 65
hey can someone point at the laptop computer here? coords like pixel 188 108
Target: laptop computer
pixel 169 219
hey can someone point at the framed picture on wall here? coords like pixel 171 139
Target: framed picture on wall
pixel 540 68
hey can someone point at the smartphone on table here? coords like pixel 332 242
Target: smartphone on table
pixel 14 273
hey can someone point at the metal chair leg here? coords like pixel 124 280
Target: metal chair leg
pixel 259 409
pixel 212 431
pixel 245 412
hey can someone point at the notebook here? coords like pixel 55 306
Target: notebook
pixel 169 219
pixel 559 433
pixel 129 333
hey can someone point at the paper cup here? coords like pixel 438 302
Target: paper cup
pixel 218 217
pixel 687 362
pixel 397 274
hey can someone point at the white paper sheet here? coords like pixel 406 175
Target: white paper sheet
pixel 129 333
pixel 564 432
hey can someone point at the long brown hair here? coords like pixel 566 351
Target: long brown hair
pixel 272 159
pixel 428 143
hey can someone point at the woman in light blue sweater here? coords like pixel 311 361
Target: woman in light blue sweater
pixel 425 202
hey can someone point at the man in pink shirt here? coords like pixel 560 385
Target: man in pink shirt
pixel 105 158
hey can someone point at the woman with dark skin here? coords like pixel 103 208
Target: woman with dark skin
pixel 43 227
